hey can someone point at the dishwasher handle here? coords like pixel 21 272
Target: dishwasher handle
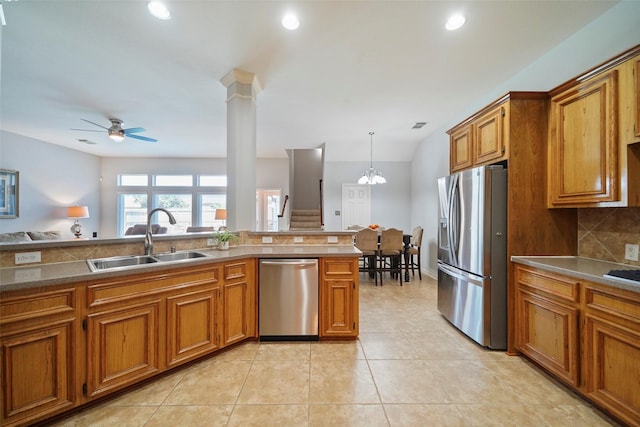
pixel 290 262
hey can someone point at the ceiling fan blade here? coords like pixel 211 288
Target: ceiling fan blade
pixel 87 130
pixel 133 130
pixel 100 126
pixel 142 138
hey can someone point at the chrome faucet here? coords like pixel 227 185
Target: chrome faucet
pixel 148 238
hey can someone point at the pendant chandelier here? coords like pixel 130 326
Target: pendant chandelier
pixel 371 176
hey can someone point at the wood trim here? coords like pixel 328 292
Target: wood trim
pixel 498 102
pixel 605 66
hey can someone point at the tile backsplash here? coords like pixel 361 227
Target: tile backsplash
pixel 603 233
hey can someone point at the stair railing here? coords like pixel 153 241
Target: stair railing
pixel 284 206
pixel 321 204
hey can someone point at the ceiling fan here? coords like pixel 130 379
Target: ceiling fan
pixel 117 133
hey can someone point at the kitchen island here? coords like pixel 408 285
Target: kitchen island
pixel 70 336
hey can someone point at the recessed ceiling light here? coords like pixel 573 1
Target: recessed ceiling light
pixel 290 21
pixel 455 21
pixel 159 10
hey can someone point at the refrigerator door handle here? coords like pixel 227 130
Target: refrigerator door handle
pixel 453 197
pixel 458 274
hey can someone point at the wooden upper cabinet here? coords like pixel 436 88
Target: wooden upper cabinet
pixel 489 137
pixel 636 75
pixel 481 139
pixel 461 148
pixel 583 153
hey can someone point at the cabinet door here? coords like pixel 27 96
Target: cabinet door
pixel 461 146
pixel 191 325
pixel 238 302
pixel 547 332
pixel 37 373
pixel 122 346
pixel 583 155
pixel 612 350
pixel 339 298
pixel 636 74
pixel 546 321
pixel 489 137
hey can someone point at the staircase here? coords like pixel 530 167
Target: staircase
pixel 305 220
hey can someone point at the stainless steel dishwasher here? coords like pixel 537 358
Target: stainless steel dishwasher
pixel 288 299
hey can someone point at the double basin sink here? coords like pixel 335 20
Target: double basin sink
pixel 122 262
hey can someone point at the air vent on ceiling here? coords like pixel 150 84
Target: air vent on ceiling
pixel 419 125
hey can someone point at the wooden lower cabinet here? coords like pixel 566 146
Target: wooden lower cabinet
pixel 123 346
pixel 239 301
pixel 547 322
pixel 338 297
pixel 192 325
pixel 39 338
pixel 585 334
pixel 612 350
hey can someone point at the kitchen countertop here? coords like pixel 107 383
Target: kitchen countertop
pixel 39 275
pixel 584 268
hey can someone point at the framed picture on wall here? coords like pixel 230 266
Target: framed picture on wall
pixel 9 193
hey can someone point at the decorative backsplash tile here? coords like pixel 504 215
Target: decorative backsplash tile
pixel 603 233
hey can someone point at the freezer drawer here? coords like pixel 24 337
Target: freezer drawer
pixel 288 299
pixel 467 301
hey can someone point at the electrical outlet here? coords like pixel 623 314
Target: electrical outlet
pixel 298 239
pixel 267 239
pixel 332 239
pixel 28 257
pixel 212 242
pixel 631 252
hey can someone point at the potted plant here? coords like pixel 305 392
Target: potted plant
pixel 224 237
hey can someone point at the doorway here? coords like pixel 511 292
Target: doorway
pixel 267 209
pixel 356 205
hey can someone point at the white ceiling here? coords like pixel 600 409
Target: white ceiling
pixel 352 67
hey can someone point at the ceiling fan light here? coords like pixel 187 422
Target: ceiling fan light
pixel 290 21
pixel 159 10
pixel 116 136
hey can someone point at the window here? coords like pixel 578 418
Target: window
pixel 192 205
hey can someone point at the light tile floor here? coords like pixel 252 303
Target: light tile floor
pixel 410 367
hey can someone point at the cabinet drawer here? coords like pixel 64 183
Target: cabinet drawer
pixel 44 304
pixel 338 267
pixel 562 287
pixel 625 305
pixel 235 271
pixel 124 288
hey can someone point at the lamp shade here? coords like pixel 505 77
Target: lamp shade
pixel 221 214
pixel 78 212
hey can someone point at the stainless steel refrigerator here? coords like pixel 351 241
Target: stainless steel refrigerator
pixel 472 253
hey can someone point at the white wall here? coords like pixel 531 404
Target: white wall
pixel 51 178
pixel 610 34
pixel 390 202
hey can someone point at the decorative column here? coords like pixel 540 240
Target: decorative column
pixel 242 89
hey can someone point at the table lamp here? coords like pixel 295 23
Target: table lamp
pixel 77 212
pixel 221 214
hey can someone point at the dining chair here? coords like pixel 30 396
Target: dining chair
pixel 367 242
pixel 414 249
pixel 391 249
